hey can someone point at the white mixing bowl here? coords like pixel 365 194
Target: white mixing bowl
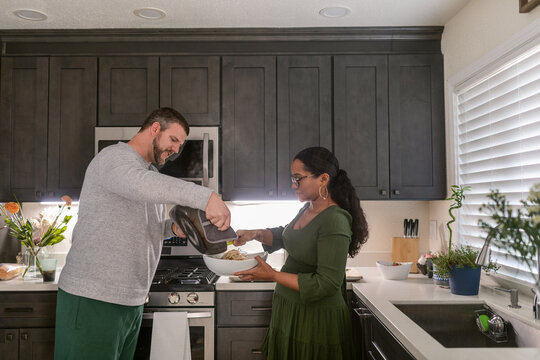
pixel 228 267
pixel 394 272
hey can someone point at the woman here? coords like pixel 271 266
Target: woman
pixel 310 317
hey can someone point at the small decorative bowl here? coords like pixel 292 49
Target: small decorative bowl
pixel 390 271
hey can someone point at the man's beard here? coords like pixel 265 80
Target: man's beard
pixel 158 152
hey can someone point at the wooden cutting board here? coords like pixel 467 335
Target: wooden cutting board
pixel 404 250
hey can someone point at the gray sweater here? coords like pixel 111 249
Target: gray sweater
pixel 121 225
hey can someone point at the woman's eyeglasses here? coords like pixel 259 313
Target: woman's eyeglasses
pixel 296 180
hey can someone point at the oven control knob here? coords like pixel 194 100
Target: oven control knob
pixel 174 298
pixel 192 298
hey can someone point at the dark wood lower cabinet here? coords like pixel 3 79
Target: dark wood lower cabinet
pixel 27 322
pixel 240 343
pixel 36 344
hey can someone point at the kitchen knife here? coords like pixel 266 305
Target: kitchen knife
pixel 411 223
pixel 415 228
pixel 405 227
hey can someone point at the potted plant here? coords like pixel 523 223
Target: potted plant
pixel 515 229
pixel 459 264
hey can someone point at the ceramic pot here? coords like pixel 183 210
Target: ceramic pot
pixel 465 280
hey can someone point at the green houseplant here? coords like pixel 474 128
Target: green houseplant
pixel 459 264
pixel 515 229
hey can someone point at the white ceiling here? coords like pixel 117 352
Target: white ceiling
pixel 88 14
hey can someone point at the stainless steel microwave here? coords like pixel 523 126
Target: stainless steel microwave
pixel 196 162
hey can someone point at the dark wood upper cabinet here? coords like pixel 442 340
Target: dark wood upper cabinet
pixel 128 89
pixel 249 127
pixel 361 122
pixel 23 125
pixel 304 111
pixel 72 118
pixel 416 120
pixel 191 85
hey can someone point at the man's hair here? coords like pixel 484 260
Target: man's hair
pixel 165 117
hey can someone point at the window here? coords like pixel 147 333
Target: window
pixel 498 142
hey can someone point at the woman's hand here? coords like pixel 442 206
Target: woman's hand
pixel 244 236
pixel 262 271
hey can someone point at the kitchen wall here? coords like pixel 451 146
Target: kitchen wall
pixel 385 219
pixel 467 41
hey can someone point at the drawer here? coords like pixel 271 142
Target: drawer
pixel 240 343
pixel 27 309
pixel 251 308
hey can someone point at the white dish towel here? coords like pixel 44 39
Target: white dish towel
pixel 170 336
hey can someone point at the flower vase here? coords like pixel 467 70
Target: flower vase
pixel 32 272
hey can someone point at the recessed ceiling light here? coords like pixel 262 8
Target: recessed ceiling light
pixel 334 11
pixel 149 13
pixel 33 15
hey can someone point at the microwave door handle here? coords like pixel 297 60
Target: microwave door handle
pixel 205 159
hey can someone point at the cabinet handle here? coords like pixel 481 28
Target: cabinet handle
pixel 9 337
pixel 378 349
pixel 38 194
pixel 382 192
pixel 24 336
pixel 371 355
pixel 396 192
pixel 271 193
pixel 260 308
pixel 19 310
pixel 256 351
pixel 51 193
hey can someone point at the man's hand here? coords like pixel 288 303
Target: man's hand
pixel 176 230
pixel 218 213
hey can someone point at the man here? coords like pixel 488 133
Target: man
pixel 118 238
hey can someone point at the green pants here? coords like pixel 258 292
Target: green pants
pixel 92 329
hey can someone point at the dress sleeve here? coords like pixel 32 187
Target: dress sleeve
pixel 277 239
pixel 332 247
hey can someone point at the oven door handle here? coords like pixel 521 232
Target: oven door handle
pixel 206 141
pixel 193 315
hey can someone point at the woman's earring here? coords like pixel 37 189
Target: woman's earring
pixel 320 192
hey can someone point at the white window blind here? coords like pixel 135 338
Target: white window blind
pixel 498 144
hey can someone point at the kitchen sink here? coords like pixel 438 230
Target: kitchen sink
pixel 454 325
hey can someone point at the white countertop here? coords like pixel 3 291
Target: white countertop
pixel 19 284
pixel 380 294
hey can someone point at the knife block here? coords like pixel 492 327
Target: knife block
pixel 405 250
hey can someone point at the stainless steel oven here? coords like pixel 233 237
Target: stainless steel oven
pixel 198 160
pixel 201 332
pixel 182 284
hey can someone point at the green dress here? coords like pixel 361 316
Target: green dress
pixel 313 323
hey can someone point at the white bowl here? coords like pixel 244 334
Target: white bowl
pixel 228 267
pixel 394 272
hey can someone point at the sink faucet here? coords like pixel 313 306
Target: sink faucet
pixel 513 297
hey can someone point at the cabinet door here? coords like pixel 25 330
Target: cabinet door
pixel 128 89
pixel 9 344
pixel 240 343
pixel 304 116
pixel 190 84
pixel 417 142
pixel 361 122
pixel 72 118
pixel 23 125
pixel 249 128
pixel 36 344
